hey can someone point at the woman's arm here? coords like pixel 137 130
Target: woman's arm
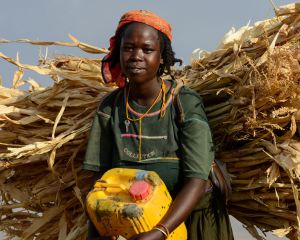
pixel 184 203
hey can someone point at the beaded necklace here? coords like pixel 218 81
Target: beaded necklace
pixel 139 120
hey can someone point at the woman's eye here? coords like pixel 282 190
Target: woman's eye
pixel 148 50
pixel 127 48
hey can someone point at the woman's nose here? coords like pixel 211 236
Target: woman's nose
pixel 137 54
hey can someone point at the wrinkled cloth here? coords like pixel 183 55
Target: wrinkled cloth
pixel 113 143
pixel 210 220
pixel 114 74
pixel 173 153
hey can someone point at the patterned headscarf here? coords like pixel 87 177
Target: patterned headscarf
pixel 114 74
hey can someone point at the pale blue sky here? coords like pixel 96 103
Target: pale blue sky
pixel 196 24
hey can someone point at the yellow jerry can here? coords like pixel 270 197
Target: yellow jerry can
pixel 125 202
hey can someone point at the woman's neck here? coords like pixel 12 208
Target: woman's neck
pixel 145 93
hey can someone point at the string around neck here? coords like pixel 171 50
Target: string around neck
pixel 163 106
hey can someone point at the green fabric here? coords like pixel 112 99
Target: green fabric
pixel 210 220
pixel 108 147
pixel 171 152
pixel 100 144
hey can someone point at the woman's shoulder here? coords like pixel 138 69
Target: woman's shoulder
pixel 189 96
pixel 109 101
pixel 191 103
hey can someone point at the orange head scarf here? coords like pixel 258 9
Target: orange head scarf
pixel 114 74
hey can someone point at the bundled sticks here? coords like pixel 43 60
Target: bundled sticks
pixel 42 143
pixel 251 90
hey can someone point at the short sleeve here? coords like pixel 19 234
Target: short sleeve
pixel 99 149
pixel 196 142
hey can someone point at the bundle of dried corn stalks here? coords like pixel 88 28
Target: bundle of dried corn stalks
pixel 250 86
pixel 251 90
pixel 42 142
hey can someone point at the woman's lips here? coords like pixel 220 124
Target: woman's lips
pixel 135 70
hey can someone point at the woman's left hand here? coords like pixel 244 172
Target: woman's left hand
pixel 151 235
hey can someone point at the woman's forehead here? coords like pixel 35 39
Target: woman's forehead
pixel 140 30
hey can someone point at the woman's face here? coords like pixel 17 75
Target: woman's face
pixel 140 55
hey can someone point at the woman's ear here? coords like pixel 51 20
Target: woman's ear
pixel 161 61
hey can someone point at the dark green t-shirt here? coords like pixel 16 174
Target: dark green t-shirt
pixel 155 143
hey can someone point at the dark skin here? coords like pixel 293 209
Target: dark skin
pixel 140 57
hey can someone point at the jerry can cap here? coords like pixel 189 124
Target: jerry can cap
pixel 140 190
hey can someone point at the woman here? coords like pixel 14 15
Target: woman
pixel 136 127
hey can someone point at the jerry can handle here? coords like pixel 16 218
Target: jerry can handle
pixel 102 184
